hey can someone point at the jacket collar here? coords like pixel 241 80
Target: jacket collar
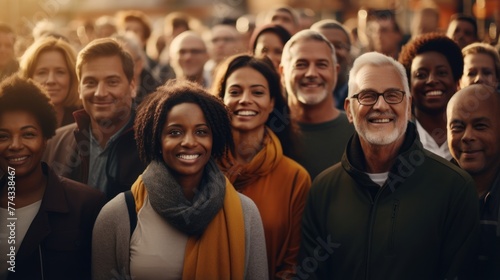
pixel 54 200
pixel 354 162
pixel 82 119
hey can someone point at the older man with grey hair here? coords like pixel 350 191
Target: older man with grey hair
pixel 188 55
pixel 390 209
pixel 309 71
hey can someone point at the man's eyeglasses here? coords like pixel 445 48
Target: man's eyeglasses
pixel 370 97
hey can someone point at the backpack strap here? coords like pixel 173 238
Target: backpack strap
pixel 132 214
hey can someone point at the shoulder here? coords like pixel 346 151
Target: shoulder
pixel 76 192
pixel 440 169
pixel 65 131
pixel 248 206
pixel 291 166
pixel 332 176
pixel 58 145
pixel 78 189
pixel 114 215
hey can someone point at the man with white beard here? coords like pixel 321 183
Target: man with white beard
pixel 309 71
pixel 390 209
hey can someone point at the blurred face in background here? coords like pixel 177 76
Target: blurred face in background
pixel 342 47
pixel 52 73
pixel 188 56
pixel 224 42
pixel 6 48
pixel 479 68
pixel 462 32
pixel 269 44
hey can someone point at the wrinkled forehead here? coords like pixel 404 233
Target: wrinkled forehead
pixel 378 78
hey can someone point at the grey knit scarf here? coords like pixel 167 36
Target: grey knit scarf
pixel 168 200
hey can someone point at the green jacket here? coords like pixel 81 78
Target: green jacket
pixel 423 223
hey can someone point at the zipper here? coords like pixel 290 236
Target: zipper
pixel 395 208
pixel 370 230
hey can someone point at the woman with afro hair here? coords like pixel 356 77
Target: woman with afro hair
pixel 434 66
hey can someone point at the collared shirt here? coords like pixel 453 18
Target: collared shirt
pixel 489 254
pixel 98 160
pixel 431 145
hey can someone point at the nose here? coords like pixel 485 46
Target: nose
pixel 246 97
pixel 312 71
pixel 468 135
pixel 479 79
pixel 380 104
pixel 50 78
pixel 432 78
pixel 100 90
pixel 189 140
pixel 16 144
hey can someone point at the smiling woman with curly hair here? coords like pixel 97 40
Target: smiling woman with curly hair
pixel 434 65
pixel 191 222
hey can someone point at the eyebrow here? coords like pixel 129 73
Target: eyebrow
pixel 251 86
pixel 22 128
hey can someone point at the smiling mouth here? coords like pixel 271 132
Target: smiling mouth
pixel 434 93
pixel 380 120
pixel 245 113
pixel 14 160
pixel 188 157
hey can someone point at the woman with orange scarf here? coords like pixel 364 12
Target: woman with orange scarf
pixel 258 166
pixel 191 223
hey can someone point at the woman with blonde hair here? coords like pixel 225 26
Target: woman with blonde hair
pixel 481 65
pixel 51 62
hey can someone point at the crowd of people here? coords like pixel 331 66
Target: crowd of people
pixel 288 152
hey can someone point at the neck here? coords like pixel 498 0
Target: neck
pixel 378 158
pixel 29 189
pixel 248 144
pixel 318 113
pixel 103 132
pixel 434 124
pixel 59 114
pixel 189 185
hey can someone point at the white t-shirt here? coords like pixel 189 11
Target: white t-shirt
pixel 25 216
pixel 156 248
pixel 431 145
pixel 378 178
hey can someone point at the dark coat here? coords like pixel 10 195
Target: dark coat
pixel 68 154
pixel 59 238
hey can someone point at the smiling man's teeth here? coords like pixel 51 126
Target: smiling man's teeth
pixel 188 157
pixel 246 113
pixel 381 120
pixel 434 93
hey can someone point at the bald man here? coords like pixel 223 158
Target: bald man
pixel 188 55
pixel 473 138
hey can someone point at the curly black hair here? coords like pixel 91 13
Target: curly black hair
pixel 433 42
pixel 153 111
pixel 22 94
